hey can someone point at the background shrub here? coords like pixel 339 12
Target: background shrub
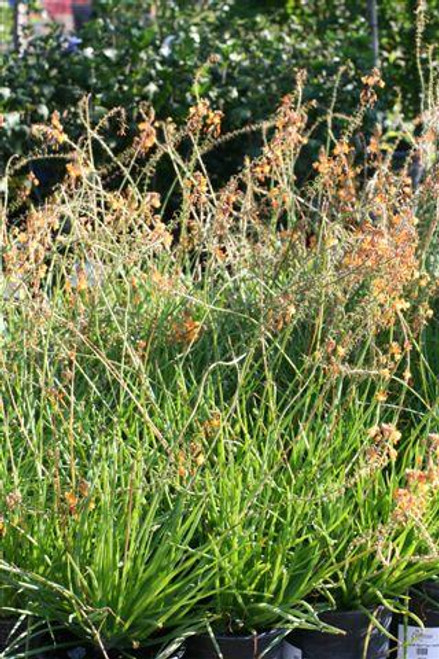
pixel 133 55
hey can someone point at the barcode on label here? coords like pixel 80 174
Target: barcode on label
pixel 418 642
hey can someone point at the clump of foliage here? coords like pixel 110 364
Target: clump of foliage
pixel 178 368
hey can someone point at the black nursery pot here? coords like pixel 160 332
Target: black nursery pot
pixel 141 653
pixel 11 629
pixel 425 603
pixel 261 646
pixel 359 634
pixel 63 643
pixel 68 648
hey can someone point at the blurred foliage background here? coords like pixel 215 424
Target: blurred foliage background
pixel 135 51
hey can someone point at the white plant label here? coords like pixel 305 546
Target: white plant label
pixel 418 643
pixel 290 652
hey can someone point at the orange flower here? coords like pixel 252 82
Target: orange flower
pixel 182 461
pixel 409 505
pixel 401 305
pixel 84 488
pixel 342 148
pixel 57 131
pixel 188 331
pixel 152 199
pixel 395 350
pixel 385 437
pixel 72 501
pixel 13 500
pixel 73 171
pixel 82 284
pixel 373 79
pixel 381 396
pixel 212 424
pixel 147 138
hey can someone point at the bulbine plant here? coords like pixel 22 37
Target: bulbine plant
pixel 121 571
pixel 212 393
